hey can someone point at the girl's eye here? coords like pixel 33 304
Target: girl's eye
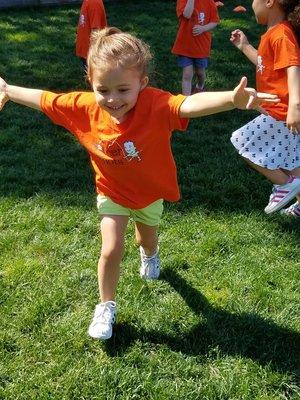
pixel 102 91
pixel 123 90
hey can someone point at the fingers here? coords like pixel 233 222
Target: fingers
pixel 3 100
pixel 243 83
pixel 268 98
pixel 252 100
pixel 294 129
pixel 235 35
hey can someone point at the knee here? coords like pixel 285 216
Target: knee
pixel 187 75
pixel 113 252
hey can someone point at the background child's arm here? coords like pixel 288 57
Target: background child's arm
pixel 293 115
pixel 188 9
pixel 207 103
pixel 239 39
pixel 198 29
pixel 27 97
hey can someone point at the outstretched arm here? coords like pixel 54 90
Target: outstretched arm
pixel 27 97
pixel 241 97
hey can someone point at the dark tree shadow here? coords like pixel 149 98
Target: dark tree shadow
pixel 246 335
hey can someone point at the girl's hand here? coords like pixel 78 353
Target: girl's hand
pixel 248 98
pixel 239 39
pixel 197 30
pixel 3 93
pixel 293 119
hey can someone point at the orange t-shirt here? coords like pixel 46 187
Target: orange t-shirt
pixel 205 11
pixel 133 161
pixel 278 50
pixel 92 16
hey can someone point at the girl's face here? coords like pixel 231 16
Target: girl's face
pixel 117 89
pixel 261 11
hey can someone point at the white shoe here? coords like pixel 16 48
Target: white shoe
pixel 150 266
pixel 282 194
pixel 103 320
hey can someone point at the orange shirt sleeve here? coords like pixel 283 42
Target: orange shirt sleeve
pixel 69 110
pixel 214 15
pixel 177 123
pixel 180 7
pixel 286 52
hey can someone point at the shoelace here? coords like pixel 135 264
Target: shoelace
pixel 103 314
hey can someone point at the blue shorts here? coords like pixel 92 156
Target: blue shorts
pixel 183 61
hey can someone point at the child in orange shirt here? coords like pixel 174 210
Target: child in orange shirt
pixel 271 144
pixel 197 18
pixel 92 16
pixel 126 128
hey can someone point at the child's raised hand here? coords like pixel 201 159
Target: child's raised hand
pixel 248 98
pixel 238 38
pixel 3 95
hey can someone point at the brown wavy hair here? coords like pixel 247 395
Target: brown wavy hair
pixel 110 47
pixel 291 9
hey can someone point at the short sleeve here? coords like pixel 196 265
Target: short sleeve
pixel 286 53
pixel 180 6
pixel 214 15
pixel 68 110
pixel 176 122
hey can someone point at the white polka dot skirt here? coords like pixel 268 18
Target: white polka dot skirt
pixel 268 143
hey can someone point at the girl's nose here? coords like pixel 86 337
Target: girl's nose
pixel 112 97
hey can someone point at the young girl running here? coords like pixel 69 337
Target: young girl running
pixel 126 128
pixel 271 144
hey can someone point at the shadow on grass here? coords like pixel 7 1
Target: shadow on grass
pixel 246 335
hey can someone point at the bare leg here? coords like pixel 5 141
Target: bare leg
pixel 146 237
pixel 296 172
pixel 112 231
pixel 200 74
pixel 187 76
pixel 276 176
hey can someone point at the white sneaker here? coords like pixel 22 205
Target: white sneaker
pixel 150 266
pixel 293 210
pixel 282 194
pixel 103 320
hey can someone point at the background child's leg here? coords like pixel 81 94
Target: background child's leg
pixel 187 76
pixel 200 74
pixel 112 231
pixel 146 237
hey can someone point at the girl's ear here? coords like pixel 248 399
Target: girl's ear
pixel 270 3
pixel 144 82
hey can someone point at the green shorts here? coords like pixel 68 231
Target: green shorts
pixel 150 215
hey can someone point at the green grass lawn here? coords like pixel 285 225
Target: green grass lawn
pixel 222 323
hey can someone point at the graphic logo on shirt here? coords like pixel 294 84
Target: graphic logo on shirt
pixel 81 19
pixel 201 18
pixel 113 152
pixel 260 66
pixel 131 151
